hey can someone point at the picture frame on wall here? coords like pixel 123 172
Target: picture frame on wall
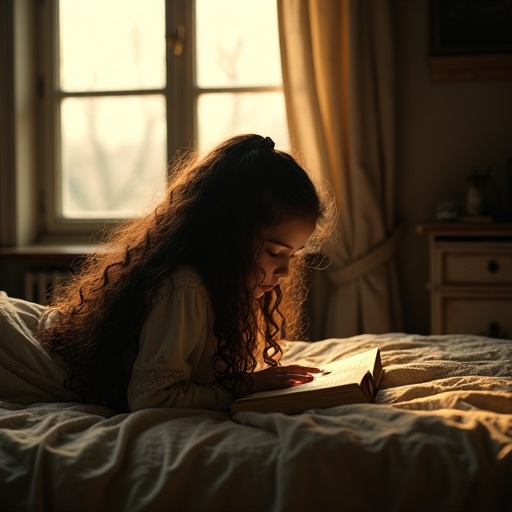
pixel 470 40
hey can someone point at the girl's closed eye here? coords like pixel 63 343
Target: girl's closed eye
pixel 272 253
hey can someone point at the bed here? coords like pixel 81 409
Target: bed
pixel 438 437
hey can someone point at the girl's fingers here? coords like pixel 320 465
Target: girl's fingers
pixel 283 377
pixel 296 369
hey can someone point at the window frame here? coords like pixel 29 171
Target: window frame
pixel 181 94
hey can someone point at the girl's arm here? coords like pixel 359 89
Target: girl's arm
pixel 174 364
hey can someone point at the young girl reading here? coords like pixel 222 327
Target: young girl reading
pixel 187 306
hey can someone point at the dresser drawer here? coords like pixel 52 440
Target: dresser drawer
pixel 475 267
pixel 483 316
pixel 470 278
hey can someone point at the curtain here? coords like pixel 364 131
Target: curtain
pixel 338 76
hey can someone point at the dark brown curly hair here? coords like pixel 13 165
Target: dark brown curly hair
pixel 210 219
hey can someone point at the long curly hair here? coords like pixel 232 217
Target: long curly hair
pixel 210 219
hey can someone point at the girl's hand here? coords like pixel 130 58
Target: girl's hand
pixel 277 377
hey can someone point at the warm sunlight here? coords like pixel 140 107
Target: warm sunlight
pixel 113 106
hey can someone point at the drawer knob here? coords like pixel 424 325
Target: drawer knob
pixel 493 266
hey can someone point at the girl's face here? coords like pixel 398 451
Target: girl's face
pixel 280 243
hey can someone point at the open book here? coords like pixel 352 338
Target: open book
pixel 351 380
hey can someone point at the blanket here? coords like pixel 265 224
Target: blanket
pixel 438 437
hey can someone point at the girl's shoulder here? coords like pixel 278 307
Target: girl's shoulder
pixel 186 276
pixel 186 281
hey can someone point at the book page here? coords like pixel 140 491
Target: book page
pixel 338 378
pixel 350 370
pixel 362 361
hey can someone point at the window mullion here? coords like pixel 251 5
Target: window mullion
pixel 238 89
pixel 103 94
pixel 180 106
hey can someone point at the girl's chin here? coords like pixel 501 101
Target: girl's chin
pixel 261 290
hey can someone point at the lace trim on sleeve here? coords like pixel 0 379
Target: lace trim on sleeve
pixel 145 380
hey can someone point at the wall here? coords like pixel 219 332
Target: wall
pixel 18 117
pixel 444 130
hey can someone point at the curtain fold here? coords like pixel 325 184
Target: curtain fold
pixel 338 76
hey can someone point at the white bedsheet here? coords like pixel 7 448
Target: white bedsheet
pixel 439 437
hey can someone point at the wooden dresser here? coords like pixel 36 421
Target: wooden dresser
pixel 470 278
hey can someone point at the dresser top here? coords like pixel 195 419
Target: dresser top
pixel 465 229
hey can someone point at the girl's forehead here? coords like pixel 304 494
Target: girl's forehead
pixel 291 233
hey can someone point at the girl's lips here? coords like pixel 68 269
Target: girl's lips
pixel 267 288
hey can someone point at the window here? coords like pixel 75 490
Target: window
pixel 127 83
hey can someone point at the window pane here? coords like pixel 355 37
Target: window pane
pixel 114 44
pixel 113 155
pixel 221 115
pixel 237 43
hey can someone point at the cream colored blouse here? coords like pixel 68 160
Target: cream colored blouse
pixel 176 346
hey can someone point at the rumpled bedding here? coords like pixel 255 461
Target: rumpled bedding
pixel 438 438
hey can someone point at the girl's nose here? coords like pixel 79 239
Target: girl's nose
pixel 283 269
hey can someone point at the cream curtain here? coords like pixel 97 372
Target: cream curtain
pixel 338 72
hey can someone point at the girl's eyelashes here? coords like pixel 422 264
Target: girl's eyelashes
pixel 276 254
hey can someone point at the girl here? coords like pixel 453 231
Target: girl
pixel 186 307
